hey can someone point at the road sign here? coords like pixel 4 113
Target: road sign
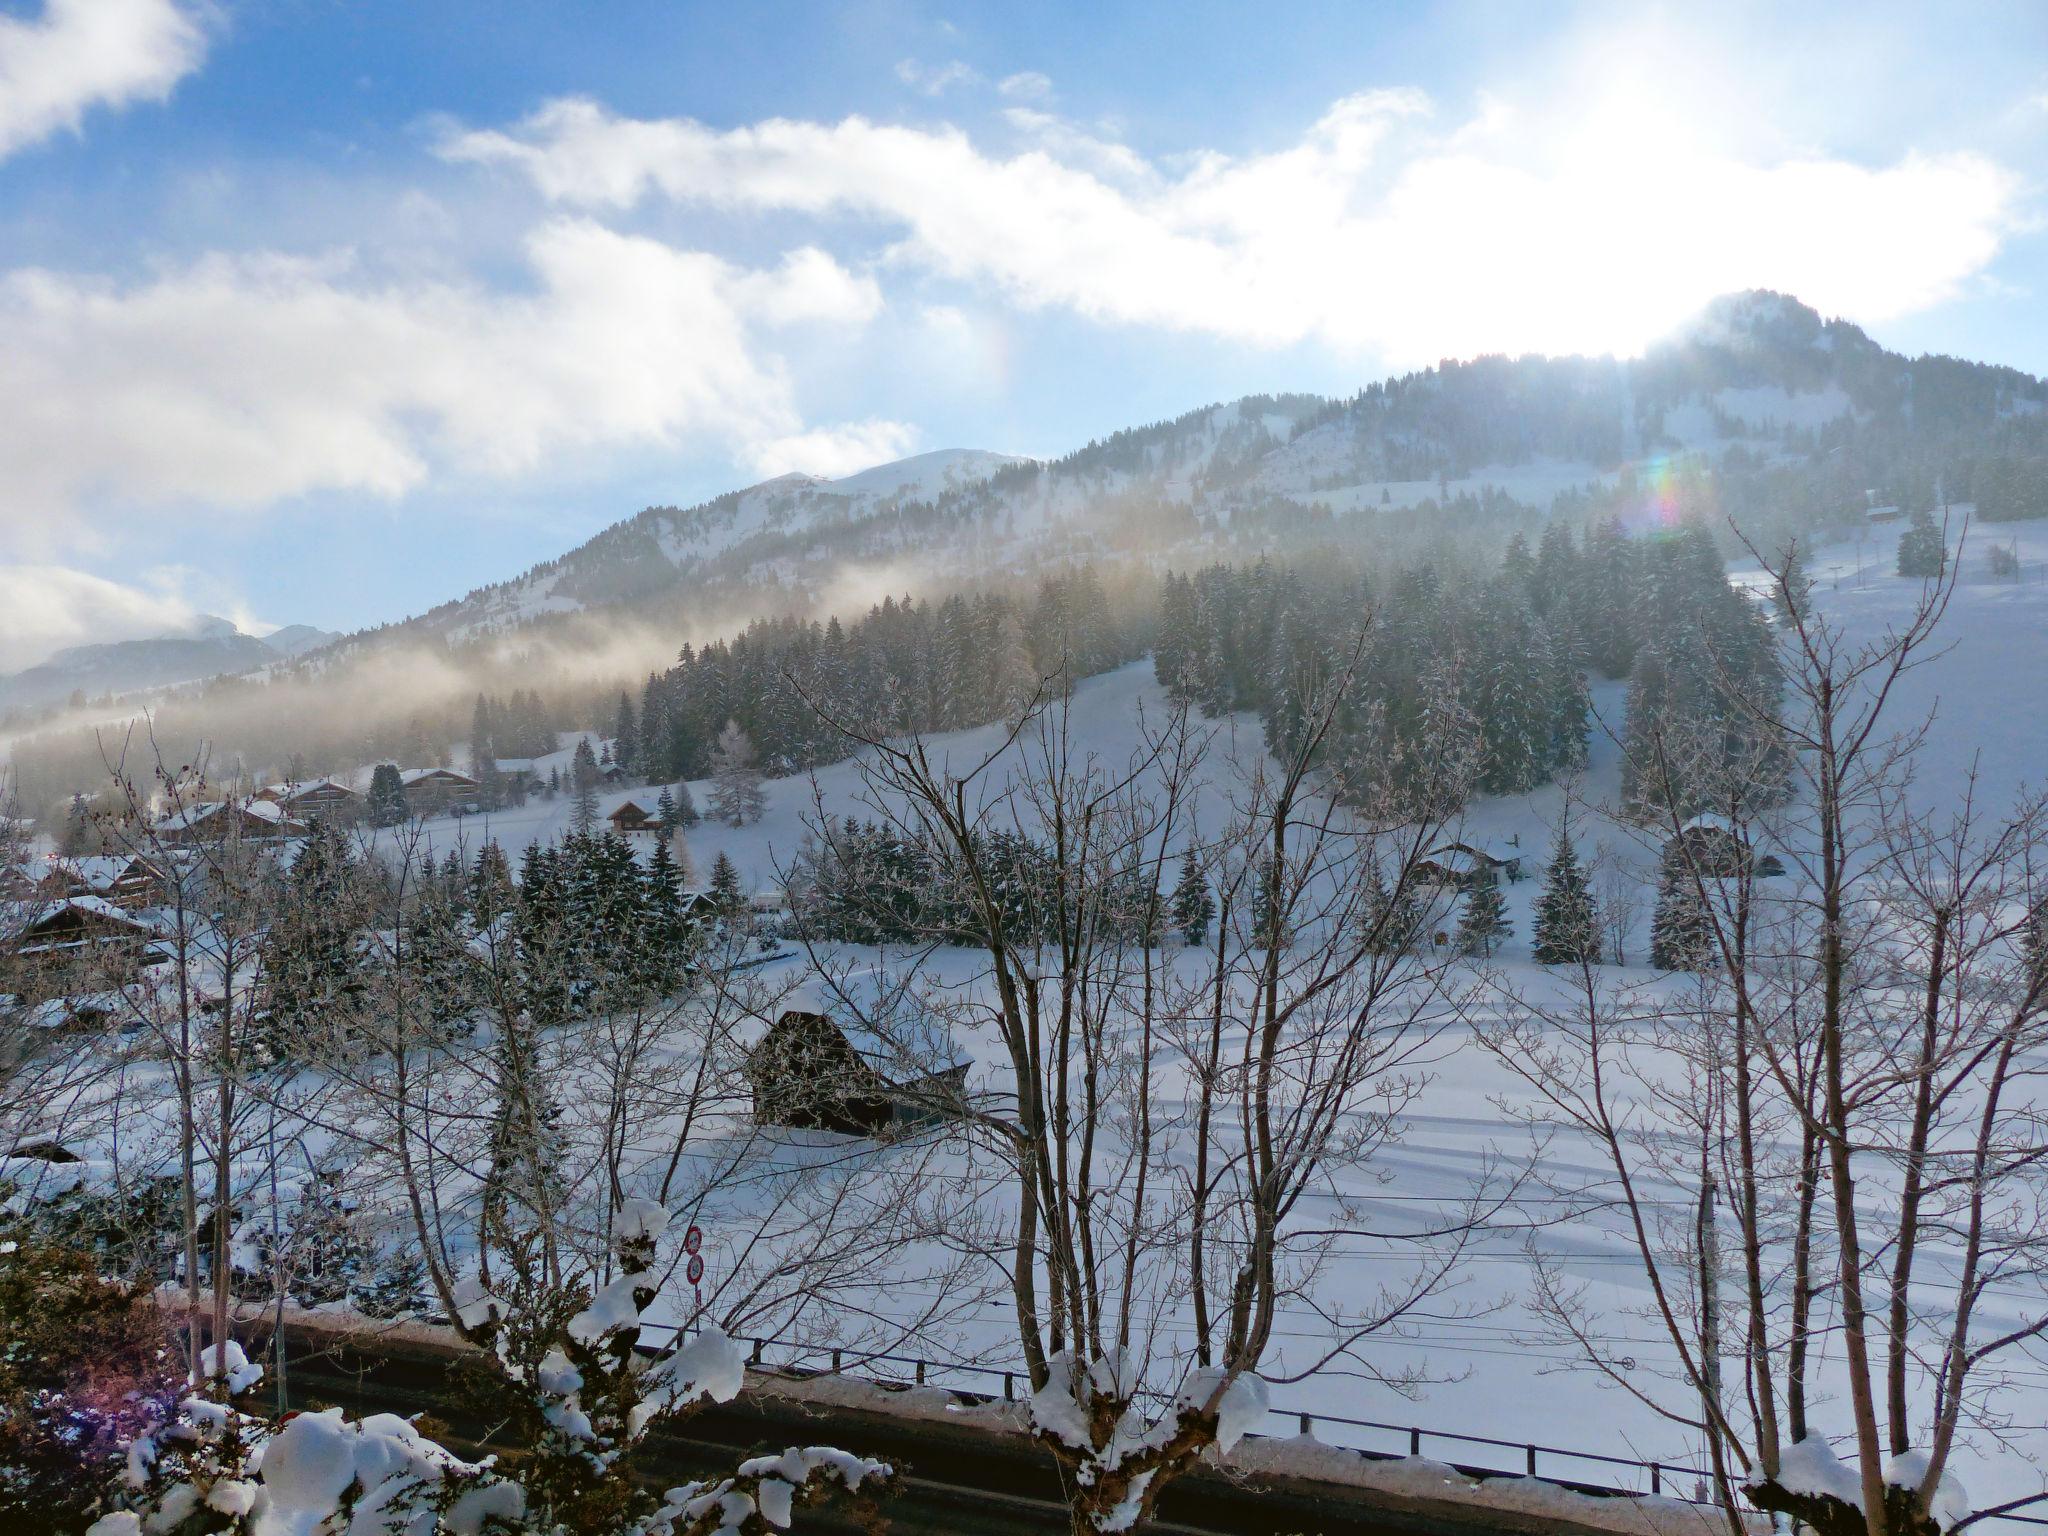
pixel 694 1271
pixel 693 1239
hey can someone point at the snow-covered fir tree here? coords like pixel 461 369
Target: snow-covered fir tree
pixel 1567 930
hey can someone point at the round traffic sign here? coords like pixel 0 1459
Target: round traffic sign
pixel 693 1239
pixel 695 1270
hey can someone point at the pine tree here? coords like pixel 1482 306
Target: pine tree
pixel 583 774
pixel 1681 932
pixel 386 806
pixel 1922 550
pixel 1269 898
pixel 1567 918
pixel 78 827
pixel 726 895
pixel 1484 922
pixel 1193 907
pixel 686 807
pixel 491 894
pixel 665 816
pixel 1794 585
pixel 1389 924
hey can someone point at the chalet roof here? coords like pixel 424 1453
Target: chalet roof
pixel 1458 858
pixel 95 906
pixel 1708 821
pixel 628 808
pixel 97 871
pixel 884 1021
pixel 1493 853
pixel 311 786
pixel 411 776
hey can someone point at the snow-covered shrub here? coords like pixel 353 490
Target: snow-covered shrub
pixel 1119 1459
pixel 211 1469
pixel 575 1385
pixel 1815 1487
pixel 763 1494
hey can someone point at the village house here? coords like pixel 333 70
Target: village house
pixel 630 818
pixel 79 941
pixel 438 791
pixel 1480 862
pixel 860 1059
pixel 328 799
pixel 217 820
pixel 129 881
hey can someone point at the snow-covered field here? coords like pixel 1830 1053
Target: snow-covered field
pixel 1490 1374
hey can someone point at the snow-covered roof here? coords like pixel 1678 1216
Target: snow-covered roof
pixel 1458 858
pixel 96 871
pixel 97 906
pixel 1708 821
pixel 294 791
pixel 884 1021
pixel 411 776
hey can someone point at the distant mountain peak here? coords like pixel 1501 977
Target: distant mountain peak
pixel 1760 319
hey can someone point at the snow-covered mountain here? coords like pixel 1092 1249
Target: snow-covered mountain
pixel 1757 372
pixel 209 647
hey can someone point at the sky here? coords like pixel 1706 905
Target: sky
pixel 326 311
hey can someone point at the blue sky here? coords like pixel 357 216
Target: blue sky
pixel 328 310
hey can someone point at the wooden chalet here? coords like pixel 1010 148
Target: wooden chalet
pixel 630 818
pixel 80 940
pixel 435 791
pixel 217 820
pixel 830 1068
pixel 330 800
pixel 1477 863
pixel 129 881
pixel 1455 868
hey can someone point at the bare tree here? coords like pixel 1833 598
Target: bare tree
pixel 1187 1133
pixel 1848 1072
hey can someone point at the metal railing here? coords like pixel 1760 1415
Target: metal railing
pixel 1592 1472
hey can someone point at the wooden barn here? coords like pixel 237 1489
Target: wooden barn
pixel 1455 867
pixel 830 1068
pixel 1718 849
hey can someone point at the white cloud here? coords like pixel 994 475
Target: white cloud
pixel 936 79
pixel 1588 223
pixel 1025 85
pixel 81 54
pixel 830 452
pixel 51 606
pixel 238 381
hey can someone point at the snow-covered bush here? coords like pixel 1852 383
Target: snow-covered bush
pixel 576 1386
pixel 1815 1487
pixel 212 1469
pixel 1119 1459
